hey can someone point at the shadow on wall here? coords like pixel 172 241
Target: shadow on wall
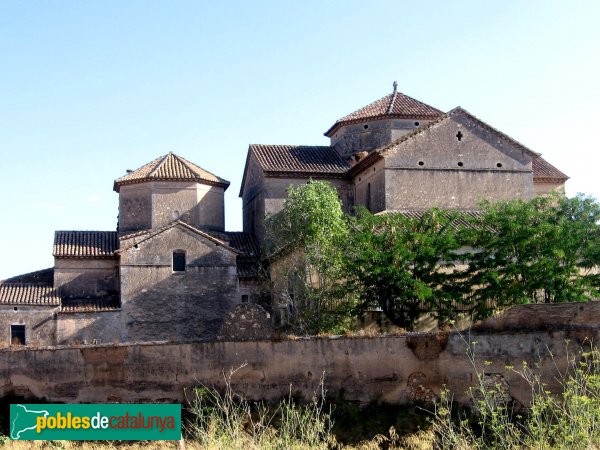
pixel 177 307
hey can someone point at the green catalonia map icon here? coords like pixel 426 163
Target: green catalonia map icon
pixel 23 421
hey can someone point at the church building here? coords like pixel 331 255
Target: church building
pixel 170 271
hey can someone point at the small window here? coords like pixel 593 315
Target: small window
pixel 417 124
pixel 499 165
pixel 17 335
pixel 178 261
pixel 421 163
pixel 245 298
pixel 365 126
pixel 460 164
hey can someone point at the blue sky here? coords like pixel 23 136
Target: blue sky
pixel 89 89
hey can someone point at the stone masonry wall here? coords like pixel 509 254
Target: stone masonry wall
pixel 369 135
pixel 39 321
pixel 99 327
pixel 395 369
pixel 86 278
pixel 160 304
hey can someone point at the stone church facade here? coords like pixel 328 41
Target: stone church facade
pixel 171 272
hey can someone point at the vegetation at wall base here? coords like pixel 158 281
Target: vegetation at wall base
pixel 224 420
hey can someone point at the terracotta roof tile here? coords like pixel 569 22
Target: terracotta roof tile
pixel 85 244
pixel 299 159
pixel 544 171
pixel 394 105
pixel 248 268
pixel 44 276
pixel 244 242
pixel 463 220
pixel 90 305
pixel 170 167
pixel 28 294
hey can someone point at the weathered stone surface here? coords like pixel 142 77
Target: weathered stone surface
pixel 86 278
pixel 94 327
pixel 39 321
pixel 543 317
pixel 359 369
pixel 246 322
pixel 161 304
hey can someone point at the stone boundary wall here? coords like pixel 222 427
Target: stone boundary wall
pixel 394 369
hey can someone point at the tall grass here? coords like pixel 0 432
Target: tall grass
pixel 225 420
pixel 570 420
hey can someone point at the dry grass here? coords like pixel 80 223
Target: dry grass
pixel 83 445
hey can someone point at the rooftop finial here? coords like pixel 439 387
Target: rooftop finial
pixel 395 86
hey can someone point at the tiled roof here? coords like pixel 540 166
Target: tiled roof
pixel 299 158
pixel 90 305
pixel 394 105
pixel 543 170
pixel 463 219
pixel 247 268
pixel 244 242
pixel 85 244
pixel 247 262
pixel 134 239
pixel 170 167
pixel 28 294
pixel 44 276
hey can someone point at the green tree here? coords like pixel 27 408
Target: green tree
pixel 404 265
pixel 544 249
pixel 307 236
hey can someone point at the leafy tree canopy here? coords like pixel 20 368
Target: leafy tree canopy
pixel 544 249
pixel 403 265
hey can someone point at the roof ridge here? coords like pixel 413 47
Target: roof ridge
pixel 408 107
pixel 496 131
pixel 159 165
pixel 157 231
pixel 392 101
pixel 187 163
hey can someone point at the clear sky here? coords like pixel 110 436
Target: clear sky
pixel 89 89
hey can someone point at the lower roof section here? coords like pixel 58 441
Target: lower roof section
pixel 85 244
pixel 36 294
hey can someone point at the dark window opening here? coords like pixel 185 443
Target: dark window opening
pixel 178 261
pixel 499 165
pixel 373 169
pixel 245 298
pixel 366 126
pixel 460 164
pixel 459 135
pixel 17 334
pixel 15 308
pixel 416 124
pixel 369 196
pixel 421 163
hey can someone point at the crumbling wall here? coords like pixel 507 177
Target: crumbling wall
pixel 394 369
